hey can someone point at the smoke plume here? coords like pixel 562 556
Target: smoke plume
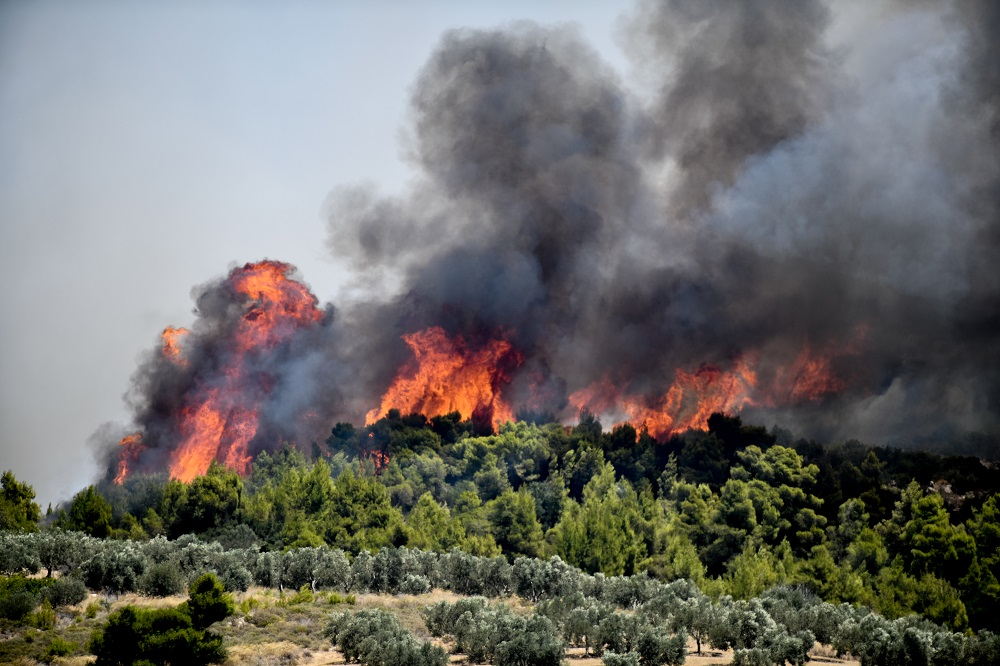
pixel 803 226
pixel 770 191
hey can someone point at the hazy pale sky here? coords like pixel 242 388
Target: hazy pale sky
pixel 147 147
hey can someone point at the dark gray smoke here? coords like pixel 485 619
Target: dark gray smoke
pixel 733 80
pixel 774 186
pixel 787 178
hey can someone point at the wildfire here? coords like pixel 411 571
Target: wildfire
pixel 686 405
pixel 219 413
pixel 446 375
pixel 170 344
pixel 278 305
pixel 131 445
pixel 694 396
pixel 219 422
pixel 218 377
pixel 811 377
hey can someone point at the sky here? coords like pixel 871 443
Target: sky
pixel 145 148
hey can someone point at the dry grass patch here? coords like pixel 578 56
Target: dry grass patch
pixel 81 660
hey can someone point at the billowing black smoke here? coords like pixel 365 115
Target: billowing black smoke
pixel 789 183
pixel 782 179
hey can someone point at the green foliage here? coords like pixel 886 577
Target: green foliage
pixel 17 605
pixel 62 551
pixel 734 509
pixel 17 555
pixel 154 636
pixel 65 591
pixel 657 647
pixel 536 643
pixel 19 596
pixel 89 513
pixel 208 502
pixel 494 634
pixel 208 602
pixel 612 658
pixel 59 647
pixel 162 580
pixel 114 570
pixel 167 635
pixel 376 638
pixel 44 617
pixel 607 532
pixel 432 527
pixel 18 510
pixel 514 524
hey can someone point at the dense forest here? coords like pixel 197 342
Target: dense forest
pixel 679 537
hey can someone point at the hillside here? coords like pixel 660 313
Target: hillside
pixel 802 536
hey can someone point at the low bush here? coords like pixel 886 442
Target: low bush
pixel 44 617
pixel 19 596
pixel 59 647
pixel 167 635
pixel 376 638
pixel 162 580
pixel 18 605
pixel 612 658
pixel 66 591
pixel 349 599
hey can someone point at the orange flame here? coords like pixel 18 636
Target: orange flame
pixel 170 344
pixel 447 376
pixel 219 422
pixel 686 405
pixel 379 460
pixel 810 377
pixel 130 445
pixel 694 396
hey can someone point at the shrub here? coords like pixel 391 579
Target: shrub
pixel 415 585
pixel 167 635
pixel 18 605
pixel 159 636
pixel 59 647
pixel 656 647
pixel 612 658
pixel 19 596
pixel 441 617
pixel 375 638
pixel 208 602
pixel 537 645
pixel 65 591
pixel 303 596
pixel 349 599
pixel 249 604
pixel 44 617
pixel 618 632
pixel 264 617
pixel 115 571
pixel 162 580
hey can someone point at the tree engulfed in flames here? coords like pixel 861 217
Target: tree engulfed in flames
pixel 217 414
pixel 686 404
pixel 448 376
pixel 694 396
pixel 220 413
pixel 131 445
